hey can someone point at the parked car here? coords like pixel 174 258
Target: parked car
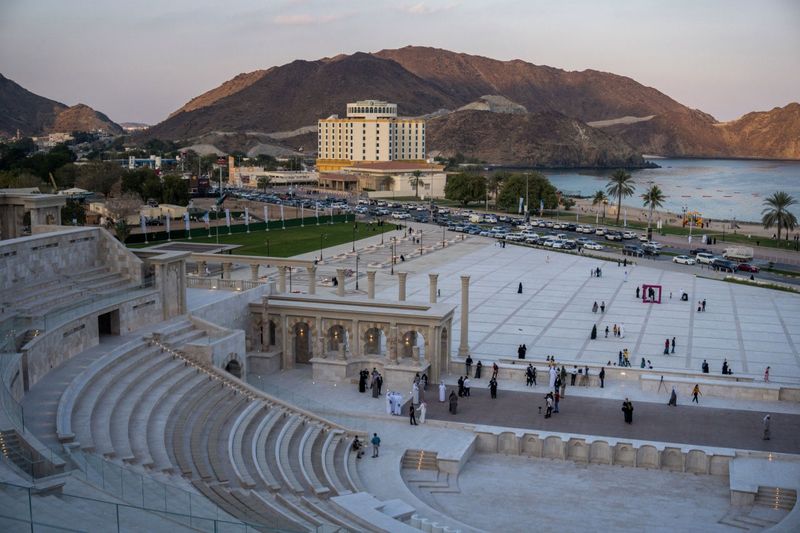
pixel 632 249
pixel 701 251
pixel 705 258
pixel 683 260
pixel 591 245
pixel 600 231
pixel 747 267
pixel 613 236
pixel 628 235
pixel 723 264
pixel 649 249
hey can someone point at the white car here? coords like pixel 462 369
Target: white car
pixel 600 231
pixel 401 216
pixel 628 235
pixel 704 259
pixel 643 237
pixel 593 246
pixel 683 260
pixel 656 245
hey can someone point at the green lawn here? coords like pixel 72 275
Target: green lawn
pixel 291 241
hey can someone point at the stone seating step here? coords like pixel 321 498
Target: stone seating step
pixel 110 417
pixel 283 458
pixel 144 406
pixel 351 468
pixel 305 452
pixel 266 449
pixel 290 502
pixel 266 507
pixel 158 435
pixel 317 460
pixel 332 441
pixel 95 386
pixel 243 426
pixel 180 426
pixel 195 460
pixel 331 514
pixel 217 436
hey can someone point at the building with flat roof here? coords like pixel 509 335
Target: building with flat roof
pixel 372 131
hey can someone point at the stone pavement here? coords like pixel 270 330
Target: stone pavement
pixel 748 326
pixel 685 424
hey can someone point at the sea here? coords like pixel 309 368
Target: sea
pixel 720 189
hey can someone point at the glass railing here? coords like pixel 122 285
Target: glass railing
pixel 24 510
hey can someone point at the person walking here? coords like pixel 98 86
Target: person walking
pixel 704 366
pixel 556 398
pixel 442 391
pixel 495 370
pixel 704 305
pixel 493 388
pixel 548 400
pixel 573 374
pixel 478 369
pixel 766 375
pixel 695 393
pixel 519 289
pixel 594 307
pixel 606 332
pixel 529 375
pixel 673 344
pixel 376 444
pixel 666 347
pixel 460 386
pixel 603 307
pixel 627 410
pixel 411 416
pixel 637 292
pixel 673 398
pixel 466 386
pixel 423 411
pixel 453 402
pixel 767 421
pixel 468 364
pixel 602 376
pixel 534 376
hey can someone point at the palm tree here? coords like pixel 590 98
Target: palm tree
pixel 620 186
pixel 653 198
pixel 415 180
pixel 263 183
pixel 600 198
pixel 776 212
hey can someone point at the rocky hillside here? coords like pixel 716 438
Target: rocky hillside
pixel 545 139
pixel 22 110
pixel 34 115
pixel 429 81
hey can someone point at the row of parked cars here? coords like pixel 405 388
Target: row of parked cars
pixel 704 256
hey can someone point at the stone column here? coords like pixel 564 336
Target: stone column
pixel 226 270
pixel 401 278
pixel 371 284
pixel 312 279
pixel 201 268
pixel 281 279
pixel 463 348
pixel 254 271
pixel 434 283
pixel 340 277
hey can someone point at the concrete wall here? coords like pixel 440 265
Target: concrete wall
pixel 232 312
pixel 603 450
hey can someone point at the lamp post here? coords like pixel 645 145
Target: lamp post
pixel 443 230
pixel 356 271
pixel 394 241
pixel 420 243
pixel 380 225
pixel 355 229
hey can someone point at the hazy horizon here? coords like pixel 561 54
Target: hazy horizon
pixel 140 61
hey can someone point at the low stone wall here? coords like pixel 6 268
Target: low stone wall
pixel 606 451
pixel 708 387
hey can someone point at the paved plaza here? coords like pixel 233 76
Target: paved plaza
pixel 748 326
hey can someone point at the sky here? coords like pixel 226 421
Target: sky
pixel 139 60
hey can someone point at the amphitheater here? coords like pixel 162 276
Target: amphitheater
pixel 141 393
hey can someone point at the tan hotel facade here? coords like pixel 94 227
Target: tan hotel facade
pixel 371 132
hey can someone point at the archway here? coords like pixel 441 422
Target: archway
pixel 336 335
pixel 302 342
pixel 409 340
pixel 374 342
pixel 234 368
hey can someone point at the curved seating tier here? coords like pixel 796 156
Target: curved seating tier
pixel 256 457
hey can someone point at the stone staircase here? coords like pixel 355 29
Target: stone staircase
pixel 776 498
pixel 420 460
pixel 771 505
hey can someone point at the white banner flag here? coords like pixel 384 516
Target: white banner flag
pixel 228 219
pixel 143 223
pixel 247 218
pixel 283 221
pixel 330 220
pixel 302 216
pixel 168 228
pixel 316 212
pixel 186 225
pixel 266 216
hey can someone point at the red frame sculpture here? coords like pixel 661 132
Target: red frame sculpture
pixel 656 296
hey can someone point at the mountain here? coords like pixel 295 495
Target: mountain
pixel 22 110
pixel 546 139
pixel 32 114
pixel 433 82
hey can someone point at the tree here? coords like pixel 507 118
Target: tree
pixel 174 190
pixel 263 183
pixel 73 210
pixel 496 181
pixel 600 198
pixel 119 209
pixel 540 191
pixel 99 177
pixel 415 180
pixel 465 188
pixel 620 185
pixel 653 198
pixel 776 212
pixel 386 183
pixel 18 179
pixel 567 202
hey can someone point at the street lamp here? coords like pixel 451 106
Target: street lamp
pixel 443 230
pixel 394 242
pixel 355 229
pixel 356 271
pixel 380 225
pixel 420 242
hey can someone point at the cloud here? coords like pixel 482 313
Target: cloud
pixel 421 8
pixel 303 19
